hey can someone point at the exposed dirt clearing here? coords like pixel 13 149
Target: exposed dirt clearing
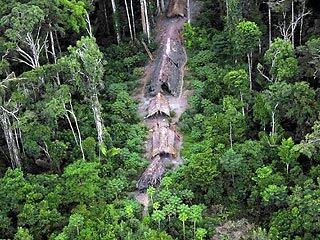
pixel 165 75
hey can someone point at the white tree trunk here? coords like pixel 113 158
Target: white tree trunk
pixel 249 56
pixel 270 24
pixel 116 22
pixel 292 22
pixel 79 143
pixel 188 11
pixel 158 7
pixel 129 19
pixel 12 144
pixel 133 20
pixel 230 135
pixel 162 5
pixel 96 108
pixel 53 53
pixel 302 20
pixel 143 18
pixel 273 131
pixel 147 20
pixel 241 97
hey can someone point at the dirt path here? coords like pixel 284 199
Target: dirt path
pixel 164 76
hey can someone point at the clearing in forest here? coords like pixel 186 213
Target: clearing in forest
pixel 162 102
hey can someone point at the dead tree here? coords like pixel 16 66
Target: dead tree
pixel 10 136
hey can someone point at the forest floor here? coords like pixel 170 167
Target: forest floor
pixel 170 42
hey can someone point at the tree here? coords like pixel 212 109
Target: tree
pixel 7 120
pixel 151 191
pixel 195 216
pixel 183 217
pixel 231 162
pixel 270 186
pixel 233 118
pixel 57 107
pixel 310 147
pixel 271 102
pixel 234 13
pixel 247 38
pixel 281 59
pixel 166 182
pixel 158 216
pixel 145 18
pixel 86 66
pixel 41 218
pixel 23 234
pixel 314 49
pixel 236 81
pixel 74 13
pixel 201 233
pixel 201 168
pixel 300 220
pixel 287 30
pixel 82 181
pixel 169 210
pixel 288 153
pixel 24 20
pixel 116 20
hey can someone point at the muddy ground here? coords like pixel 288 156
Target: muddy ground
pixel 165 74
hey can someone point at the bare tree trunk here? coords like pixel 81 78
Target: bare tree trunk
pixel 96 108
pixel 77 126
pixel 10 139
pixel 302 20
pixel 230 135
pixel 143 18
pixel 241 97
pixel 292 22
pixel 116 21
pixel 133 20
pixel 270 24
pixel 158 7
pixel 53 53
pixel 162 5
pixel 31 59
pixel 249 56
pixel 89 28
pixel 58 44
pixel 129 20
pixel 71 127
pixel 273 131
pixel 227 6
pixel 273 124
pixel 147 20
pixel 188 11
pixel 151 14
pixel 46 52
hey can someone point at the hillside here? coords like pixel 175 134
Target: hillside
pixel 159 120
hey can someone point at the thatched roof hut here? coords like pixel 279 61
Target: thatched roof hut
pixel 152 175
pixel 158 105
pixel 164 140
pixel 177 8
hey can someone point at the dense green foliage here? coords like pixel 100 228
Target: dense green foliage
pixel 252 148
pixel 72 143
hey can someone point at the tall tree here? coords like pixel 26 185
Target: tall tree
pixel 116 20
pixel 247 38
pixel 86 65
pixel 282 61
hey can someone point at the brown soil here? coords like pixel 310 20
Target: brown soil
pixel 167 67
